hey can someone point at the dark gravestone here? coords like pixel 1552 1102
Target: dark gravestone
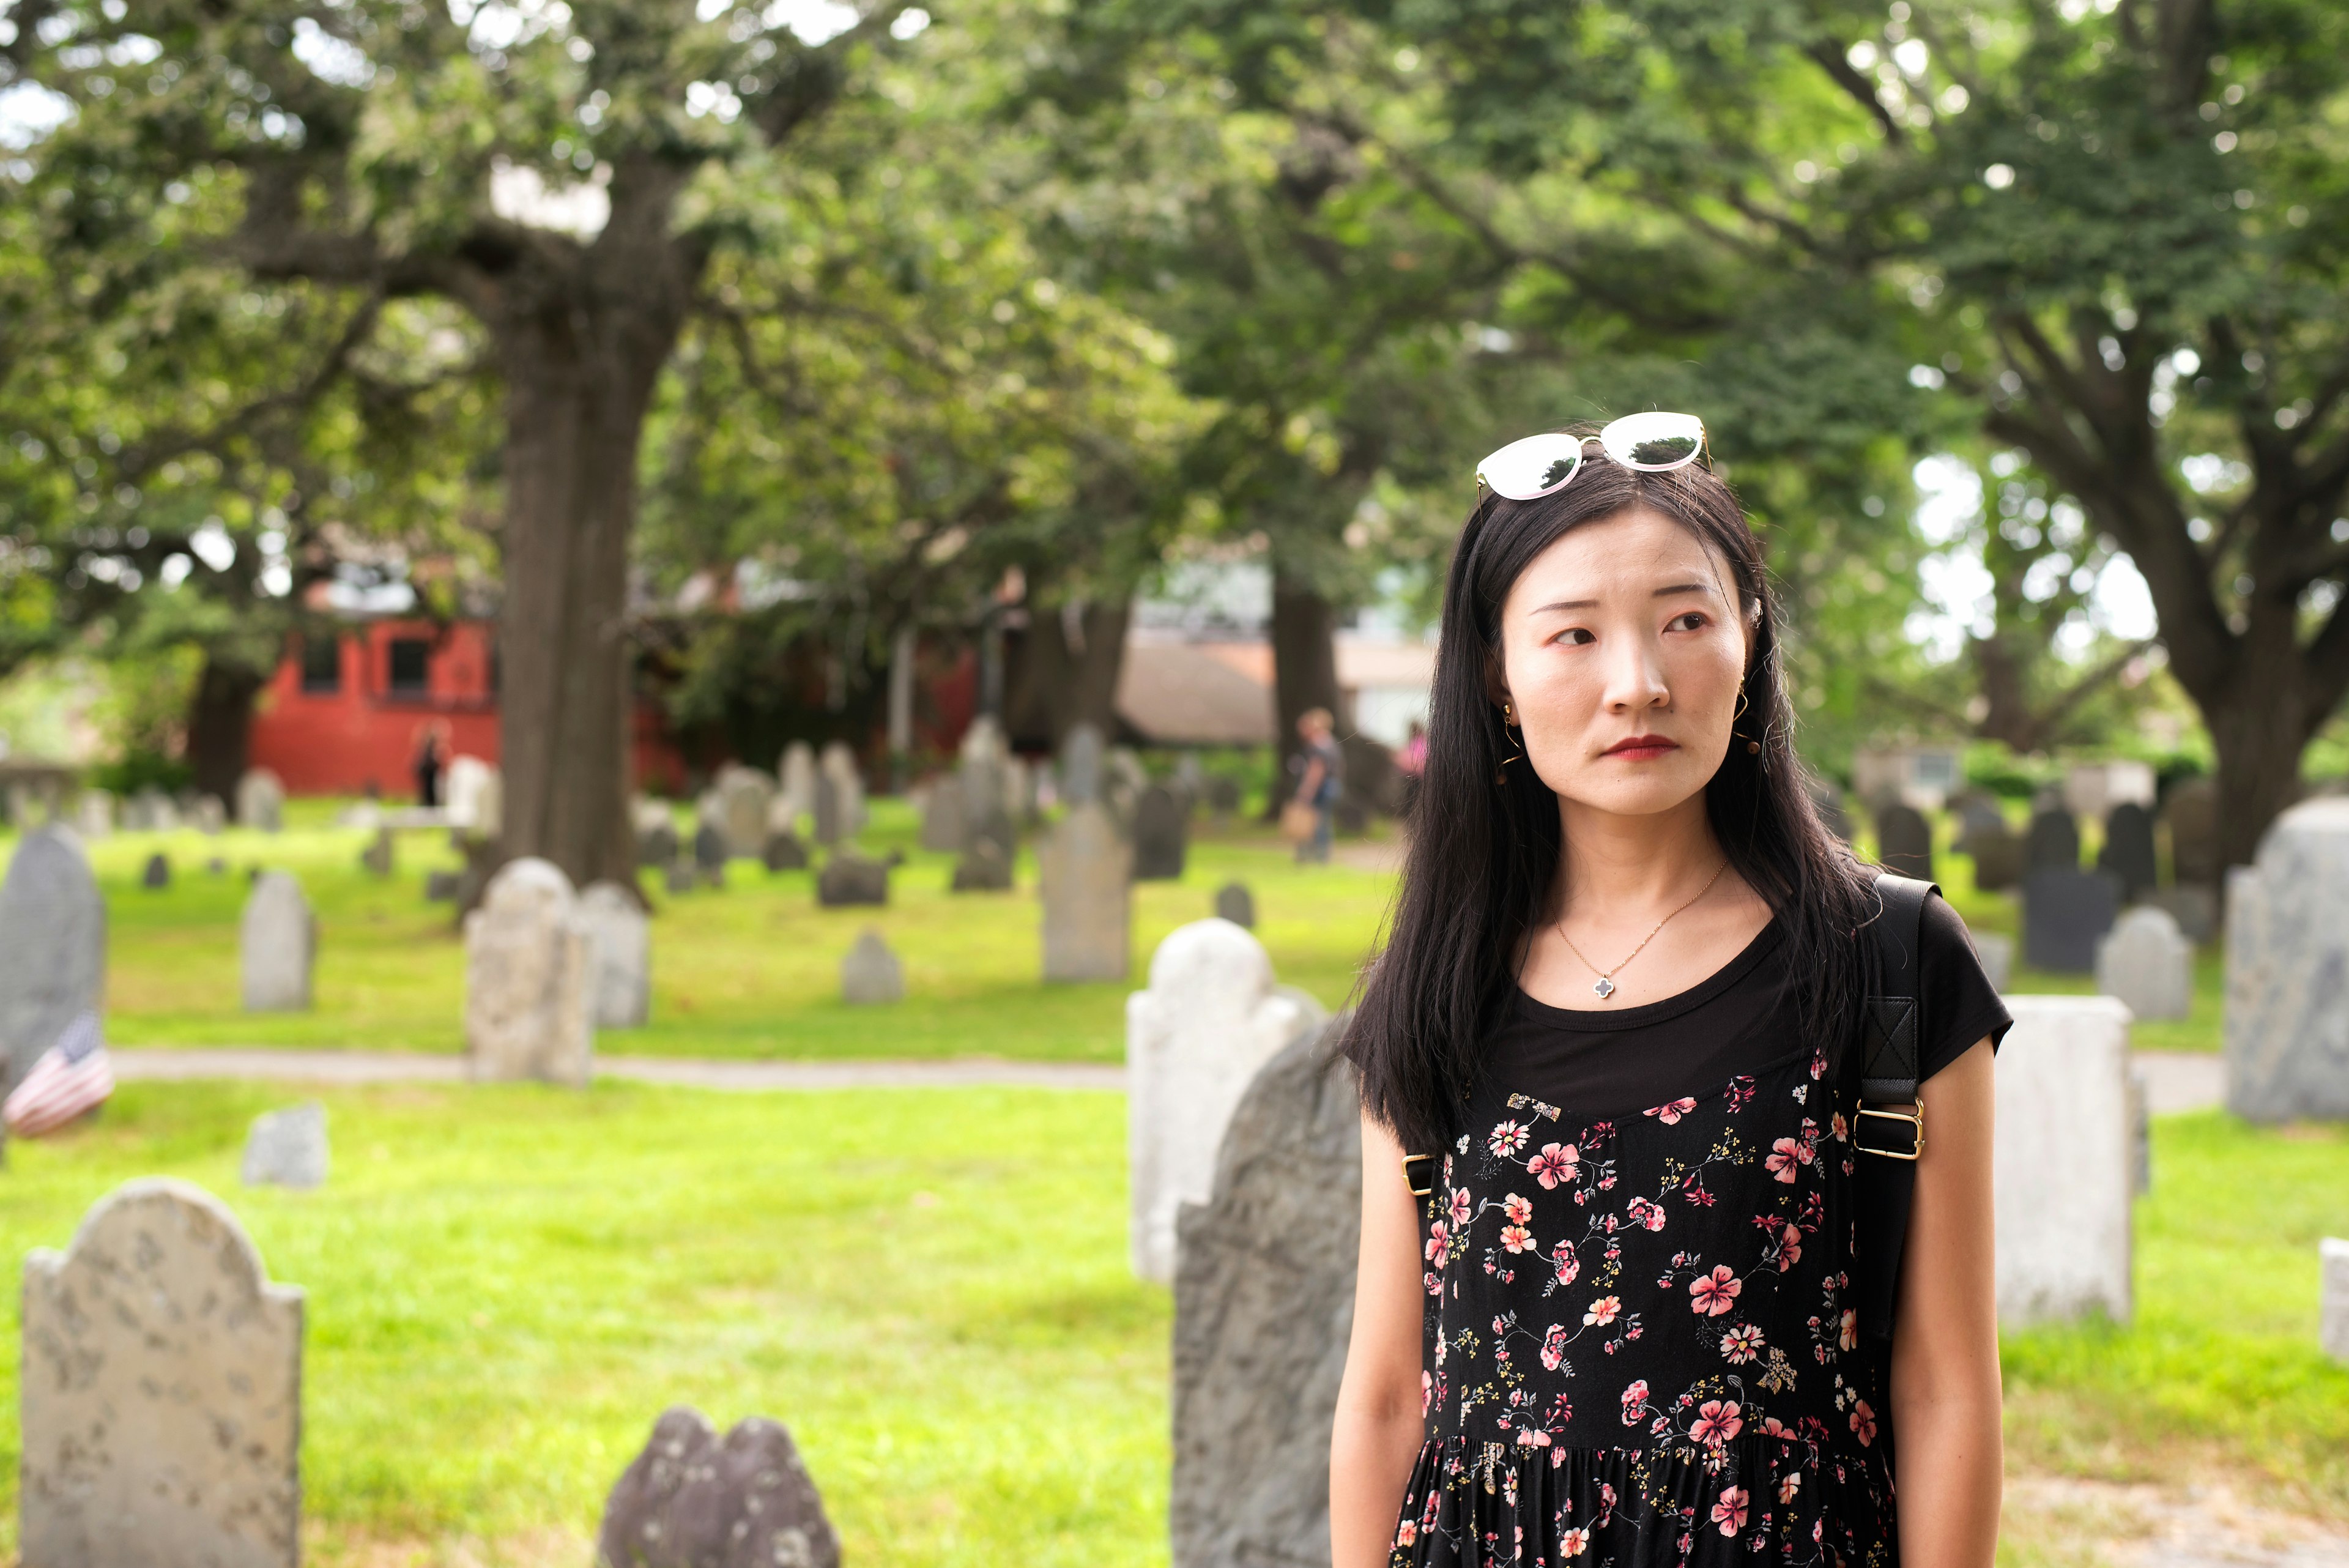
pixel 2054 841
pixel 678 876
pixel 1998 857
pixel 158 872
pixel 1264 1301
pixel 689 1501
pixel 1904 842
pixel 1235 903
pixel 440 887
pixel 983 868
pixel 1827 802
pixel 709 847
pixel 785 852
pixel 1223 795
pixel 1975 814
pixel 850 879
pixel 657 846
pixel 827 810
pixel 2191 809
pixel 52 946
pixel 2127 854
pixel 2065 912
pixel 1161 836
pixel 993 826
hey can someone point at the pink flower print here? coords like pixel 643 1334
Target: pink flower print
pixel 1716 1422
pixel 1568 1266
pixel 1575 1542
pixel 1635 1407
pixel 1529 1438
pixel 1785 1156
pixel 1787 1488
pixel 1602 1312
pixel 1517 1239
pixel 1840 1127
pixel 1439 1243
pixel 1672 1113
pixel 1847 1331
pixel 1647 1213
pixel 1730 1512
pixel 1518 1211
pixel 1863 1422
pixel 1553 1350
pixel 1790 1248
pixel 1712 1294
pixel 1774 1428
pixel 1741 1344
pixel 1426 1393
pixel 1506 1139
pixel 1556 1163
pixel 1462 1209
pixel 1406 1533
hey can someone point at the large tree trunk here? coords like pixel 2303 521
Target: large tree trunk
pixel 1066 681
pixel 220 725
pixel 1304 672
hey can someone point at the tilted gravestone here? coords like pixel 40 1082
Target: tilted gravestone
pixel 2147 963
pixel 944 821
pixel 2061 1167
pixel 1264 1302
pixel 2287 969
pixel 261 800
pixel 838 764
pixel 871 975
pixel 1211 1017
pixel 52 946
pixel 2065 913
pixel 1087 871
pixel 2191 810
pixel 830 815
pixel 796 798
pixel 529 967
pixel 156 875
pixel 1904 842
pixel 1162 835
pixel 2127 855
pixel 850 879
pixel 1235 903
pixel 1997 850
pixel 278 945
pixel 691 1500
pixel 287 1149
pixel 2052 843
pixel 983 868
pixel 785 852
pixel 1080 765
pixel 620 938
pixel 162 1392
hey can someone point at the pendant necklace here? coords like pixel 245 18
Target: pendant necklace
pixel 1605 986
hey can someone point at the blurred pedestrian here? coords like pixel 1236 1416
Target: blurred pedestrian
pixel 1321 774
pixel 431 759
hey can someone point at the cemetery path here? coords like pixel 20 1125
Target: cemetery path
pixel 347 1067
pixel 2144 1525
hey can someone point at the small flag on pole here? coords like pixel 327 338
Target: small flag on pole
pixel 72 1076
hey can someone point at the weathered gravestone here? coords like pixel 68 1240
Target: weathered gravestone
pixel 287 1149
pixel 2288 968
pixel 1997 850
pixel 983 868
pixel 2147 963
pixel 1087 871
pixel 210 816
pixel 261 800
pixel 162 1392
pixel 1235 903
pixel 709 847
pixel 1223 796
pixel 2062 1161
pixel 52 946
pixel 2127 854
pixel 848 878
pixel 2191 810
pixel 1904 842
pixel 379 857
pixel 2065 913
pixel 2333 1298
pixel 2193 906
pixel 94 814
pixel 830 816
pixel 677 877
pixel 529 967
pixel 1080 765
pixel 620 942
pixel 656 844
pixel 1162 835
pixel 745 796
pixel 1975 812
pixel 689 1501
pixel 784 852
pixel 1264 1301
pixel 156 875
pixel 796 799
pixel 1211 1017
pixel 838 764
pixel 944 822
pixel 465 788
pixel 2052 842
pixel 871 975
pixel 277 944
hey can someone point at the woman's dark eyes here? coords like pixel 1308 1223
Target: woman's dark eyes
pixel 1576 637
pixel 1693 621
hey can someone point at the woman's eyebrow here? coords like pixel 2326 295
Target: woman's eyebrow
pixel 1663 593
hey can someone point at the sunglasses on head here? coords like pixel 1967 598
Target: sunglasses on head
pixel 1545 465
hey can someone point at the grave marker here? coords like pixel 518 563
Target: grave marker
pixel 529 965
pixel 797 797
pixel 378 856
pixel 52 946
pixel 156 875
pixel 1235 903
pixel 209 816
pixel 277 944
pixel 2127 854
pixel 620 939
pixel 677 877
pixel 688 1501
pixel 745 797
pixel 465 785
pixel 983 868
pixel 2062 1161
pixel 1087 871
pixel 287 1149
pixel 2052 843
pixel 2147 964
pixel 838 764
pixel 784 852
pixel 1162 835
pixel 2065 912
pixel 709 847
pixel 871 975
pixel 2287 956
pixel 261 800
pixel 1904 842
pixel 2191 809
pixel 830 815
pixel 2333 1305
pixel 1997 850
pixel 850 879
pixel 1080 765
pixel 945 828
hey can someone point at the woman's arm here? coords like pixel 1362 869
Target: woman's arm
pixel 1945 1389
pixel 1377 1436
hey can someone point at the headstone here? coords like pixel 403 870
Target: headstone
pixel 277 944
pixel 1904 842
pixel 1223 796
pixel 1161 834
pixel 745 795
pixel 784 852
pixel 2333 1305
pixel 2147 964
pixel 210 815
pixel 838 764
pixel 378 856
pixel 1975 814
pixel 830 815
pixel 151 811
pixel 709 847
pixel 689 1501
pixel 1020 787
pixel 156 875
pixel 1996 953
pixel 797 797
pixel 440 887
pixel 2065 912
pixel 2287 969
pixel 1264 1304
pixel 983 868
pixel 1235 903
pixel 943 822
pixel 848 878
pixel 1997 850
pixel 287 1149
pixel 2195 907
pixel 483 858
pixel 1827 802
pixel 677 877
pixel 1080 765
pixel 1211 1017
pixel 2061 1164
pixel 2140 1132
pixel 529 967
pixel 2127 854
pixel 52 946
pixel 162 1392
pixel 984 776
pixel 657 845
pixel 260 801
pixel 871 974
pixel 1087 869
pixel 2052 843
pixel 94 814
pixel 2191 810
pixel 465 785
pixel 620 939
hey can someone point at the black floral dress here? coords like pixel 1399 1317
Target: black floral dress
pixel 1640 1342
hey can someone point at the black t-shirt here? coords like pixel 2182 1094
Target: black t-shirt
pixel 1736 1021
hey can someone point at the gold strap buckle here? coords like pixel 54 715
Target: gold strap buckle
pixel 1910 1116
pixel 1420 1182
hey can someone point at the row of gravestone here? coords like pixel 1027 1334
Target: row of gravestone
pixel 260 803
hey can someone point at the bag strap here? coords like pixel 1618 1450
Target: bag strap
pixel 1890 1125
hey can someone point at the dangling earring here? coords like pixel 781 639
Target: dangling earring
pixel 1500 775
pixel 1743 701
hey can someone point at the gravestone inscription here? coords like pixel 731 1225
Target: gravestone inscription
pixel 278 945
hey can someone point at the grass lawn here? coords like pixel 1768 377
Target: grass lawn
pixel 507 1285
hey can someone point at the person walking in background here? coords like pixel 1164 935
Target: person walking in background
pixel 430 759
pixel 1321 774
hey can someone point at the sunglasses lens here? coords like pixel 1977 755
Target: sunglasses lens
pixel 1653 441
pixel 1534 466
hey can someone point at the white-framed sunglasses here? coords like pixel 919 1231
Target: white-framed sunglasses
pixel 1545 465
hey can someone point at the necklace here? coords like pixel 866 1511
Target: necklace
pixel 1605 986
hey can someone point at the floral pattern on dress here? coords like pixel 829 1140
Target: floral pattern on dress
pixel 1640 1344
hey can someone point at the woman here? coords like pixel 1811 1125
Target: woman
pixel 1623 1328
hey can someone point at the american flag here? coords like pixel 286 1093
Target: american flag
pixel 72 1076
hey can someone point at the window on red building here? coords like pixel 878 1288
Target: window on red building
pixel 410 657
pixel 322 665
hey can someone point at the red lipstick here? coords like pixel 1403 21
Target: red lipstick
pixel 1642 748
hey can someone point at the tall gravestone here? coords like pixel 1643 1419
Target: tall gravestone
pixel 2065 913
pixel 2061 1162
pixel 796 798
pixel 161 1394
pixel 838 764
pixel 944 821
pixel 620 943
pixel 278 945
pixel 2052 843
pixel 745 795
pixel 2191 811
pixel 1080 765
pixel 1162 835
pixel 260 800
pixel 1997 850
pixel 1904 842
pixel 529 971
pixel 691 1501
pixel 52 946
pixel 1211 1017
pixel 983 770
pixel 464 790
pixel 1264 1304
pixel 830 816
pixel 2147 964
pixel 2127 855
pixel 1087 869
pixel 2288 969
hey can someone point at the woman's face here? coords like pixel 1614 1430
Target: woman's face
pixel 1622 652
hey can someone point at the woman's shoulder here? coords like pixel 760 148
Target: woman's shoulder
pixel 1959 1005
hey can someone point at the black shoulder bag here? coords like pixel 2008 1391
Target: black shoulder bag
pixel 1890 1125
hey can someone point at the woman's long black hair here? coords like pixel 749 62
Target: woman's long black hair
pixel 1483 855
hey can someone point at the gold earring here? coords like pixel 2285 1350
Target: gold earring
pixel 1743 701
pixel 1501 774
